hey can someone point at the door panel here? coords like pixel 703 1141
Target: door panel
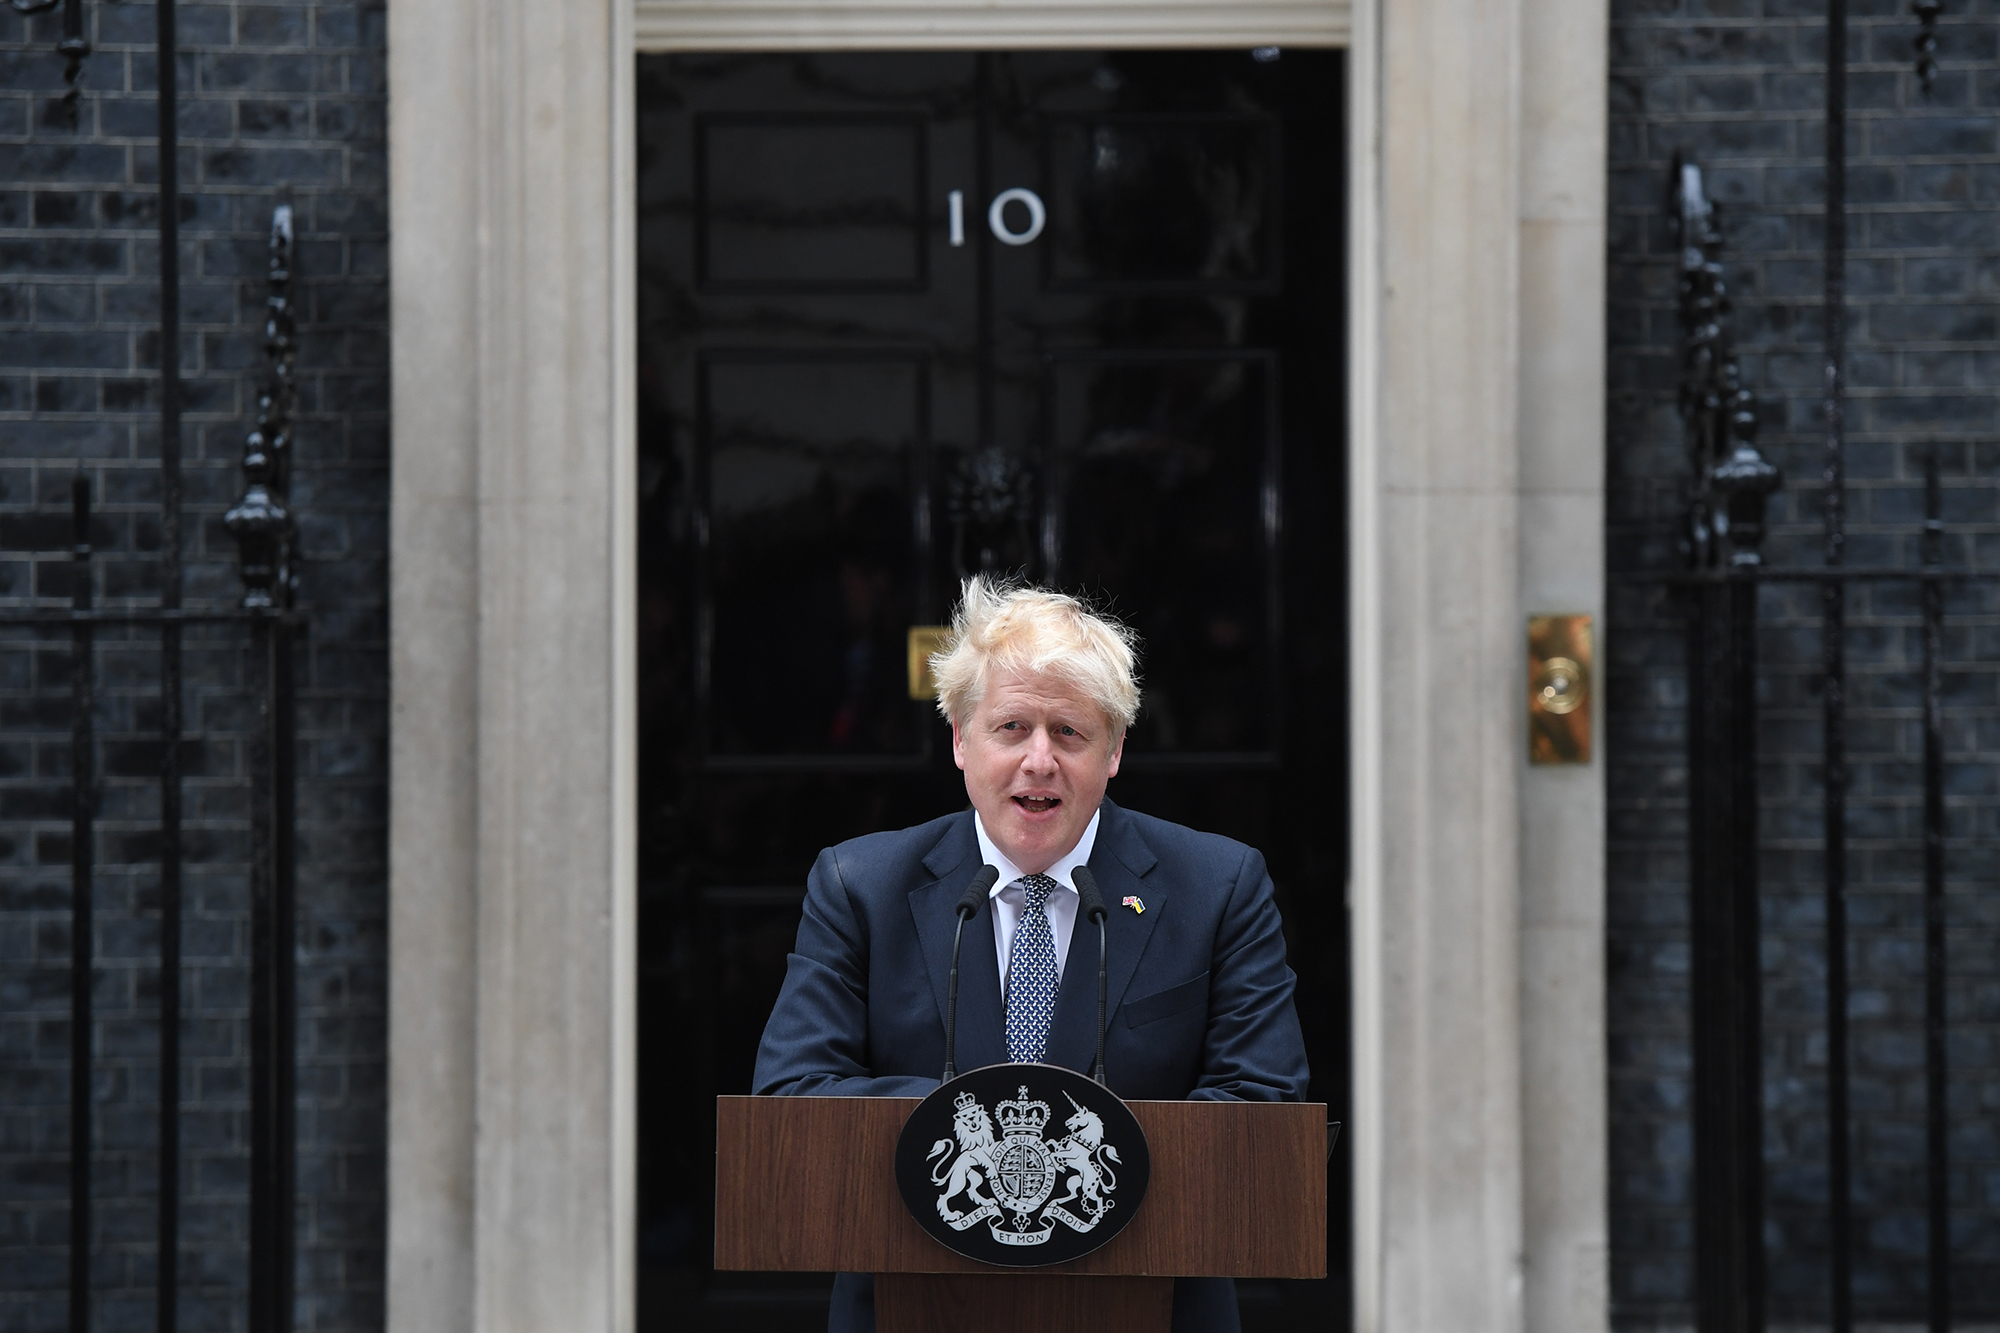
pixel 810 203
pixel 1168 465
pixel 1162 201
pixel 815 462
pixel 853 391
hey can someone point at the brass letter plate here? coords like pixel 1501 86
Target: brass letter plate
pixel 1559 667
pixel 925 640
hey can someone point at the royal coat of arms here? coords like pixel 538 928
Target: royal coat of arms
pixel 1030 1178
pixel 1007 1182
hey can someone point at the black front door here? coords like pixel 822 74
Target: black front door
pixel 902 317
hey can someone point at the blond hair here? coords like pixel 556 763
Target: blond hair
pixel 1005 625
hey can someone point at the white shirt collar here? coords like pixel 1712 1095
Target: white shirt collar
pixel 1059 872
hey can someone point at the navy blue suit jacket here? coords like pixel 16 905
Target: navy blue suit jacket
pixel 1200 994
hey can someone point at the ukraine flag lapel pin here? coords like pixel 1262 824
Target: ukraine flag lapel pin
pixel 1132 901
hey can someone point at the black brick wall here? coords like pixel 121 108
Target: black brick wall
pixel 1738 84
pixel 278 100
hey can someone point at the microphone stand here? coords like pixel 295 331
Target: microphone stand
pixel 1092 903
pixel 968 906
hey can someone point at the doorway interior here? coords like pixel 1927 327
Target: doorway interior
pixel 1077 315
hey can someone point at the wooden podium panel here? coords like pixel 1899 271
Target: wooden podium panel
pixel 808 1184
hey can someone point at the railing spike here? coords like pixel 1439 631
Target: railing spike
pixel 260 521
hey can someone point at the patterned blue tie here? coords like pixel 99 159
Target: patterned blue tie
pixel 1031 974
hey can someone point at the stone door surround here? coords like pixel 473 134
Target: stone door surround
pixel 1476 374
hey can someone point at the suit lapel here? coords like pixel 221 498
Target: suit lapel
pixel 1120 860
pixel 981 1023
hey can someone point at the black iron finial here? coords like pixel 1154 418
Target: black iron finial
pixel 1731 481
pixel 260 521
pixel 72 46
pixel 1927 12
pixel 73 50
pixel 1744 482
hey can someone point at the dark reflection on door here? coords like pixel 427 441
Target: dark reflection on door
pixel 855 387
pixel 1185 199
pixel 813 460
pixel 1187 443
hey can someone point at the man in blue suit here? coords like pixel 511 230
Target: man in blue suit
pixel 1039 691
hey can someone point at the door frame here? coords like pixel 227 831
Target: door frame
pixel 1476 257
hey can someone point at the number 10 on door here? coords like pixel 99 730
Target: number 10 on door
pixel 996 216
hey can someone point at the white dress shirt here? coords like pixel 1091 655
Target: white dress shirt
pixel 1010 899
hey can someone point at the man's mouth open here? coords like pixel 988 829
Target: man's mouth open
pixel 1036 805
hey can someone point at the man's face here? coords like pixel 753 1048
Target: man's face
pixel 1036 755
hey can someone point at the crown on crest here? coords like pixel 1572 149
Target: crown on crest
pixel 1021 1116
pixel 965 1101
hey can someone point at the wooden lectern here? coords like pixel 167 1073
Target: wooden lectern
pixel 808 1184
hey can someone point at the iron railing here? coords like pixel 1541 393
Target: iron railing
pixel 1731 482
pixel 263 528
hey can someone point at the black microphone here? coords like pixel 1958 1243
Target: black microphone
pixel 968 907
pixel 1092 904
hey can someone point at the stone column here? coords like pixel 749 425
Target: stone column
pixel 1437 674
pixel 511 978
pixel 1565 1150
pixel 1477 379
